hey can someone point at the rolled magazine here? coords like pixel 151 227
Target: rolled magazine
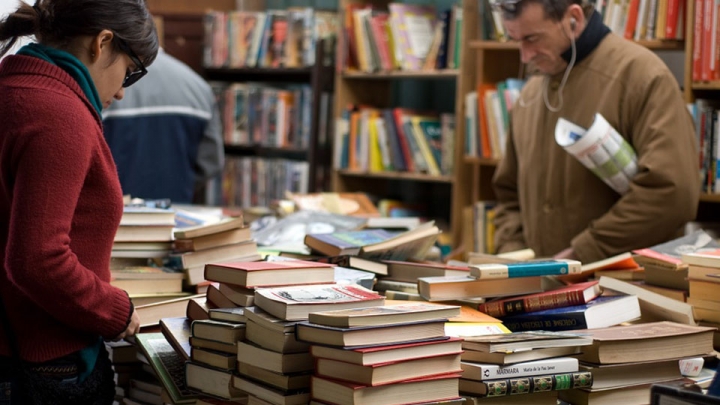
pixel 601 149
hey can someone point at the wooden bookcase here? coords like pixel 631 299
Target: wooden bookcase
pixel 445 195
pixel 708 208
pixel 321 80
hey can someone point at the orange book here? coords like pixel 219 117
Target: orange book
pixel 697 41
pixel 483 125
pixel 632 16
pixel 353 163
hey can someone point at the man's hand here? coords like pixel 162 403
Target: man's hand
pixel 132 328
pixel 566 254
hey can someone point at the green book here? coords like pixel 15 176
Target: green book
pixel 168 365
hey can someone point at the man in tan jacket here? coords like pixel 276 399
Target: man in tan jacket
pixel 548 200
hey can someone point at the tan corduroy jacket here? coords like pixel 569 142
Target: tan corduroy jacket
pixel 549 201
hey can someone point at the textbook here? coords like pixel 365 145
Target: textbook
pixel 558 267
pixel 598 313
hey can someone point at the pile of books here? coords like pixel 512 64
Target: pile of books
pixel 226 240
pixel 626 360
pixel 395 354
pixel 533 366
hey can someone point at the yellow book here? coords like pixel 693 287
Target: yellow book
pixel 376 160
pixel 422 142
pixel 661 19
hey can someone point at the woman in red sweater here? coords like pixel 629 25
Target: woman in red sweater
pixel 60 198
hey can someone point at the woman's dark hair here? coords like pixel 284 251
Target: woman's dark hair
pixel 58 22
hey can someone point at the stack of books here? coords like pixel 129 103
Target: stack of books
pixel 225 240
pixel 386 355
pixel 533 366
pixel 401 280
pixel 144 232
pixel 664 267
pixel 273 365
pixel 626 360
pixel 212 360
pixel 703 283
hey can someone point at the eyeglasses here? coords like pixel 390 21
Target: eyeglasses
pixel 132 77
pixel 507 6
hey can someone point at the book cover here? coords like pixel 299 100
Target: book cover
pixel 574 294
pixel 598 313
pixel 385 315
pixel 318 294
pixel 346 242
pixel 484 372
pixel 525 269
pixel 527 385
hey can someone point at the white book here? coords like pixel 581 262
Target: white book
pixel 483 372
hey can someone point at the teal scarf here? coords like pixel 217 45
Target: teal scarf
pixel 79 72
pixel 69 63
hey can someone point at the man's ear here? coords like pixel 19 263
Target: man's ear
pixel 101 43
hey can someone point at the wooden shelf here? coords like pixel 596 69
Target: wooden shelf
pixel 714 85
pixel 266 151
pixel 508 45
pixel 713 198
pixel 497 45
pixel 420 74
pixel 663 45
pixel 473 160
pixel 259 74
pixel 397 176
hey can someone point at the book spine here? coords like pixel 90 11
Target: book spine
pixel 525 269
pixel 535 303
pixel 542 383
pixel 549 322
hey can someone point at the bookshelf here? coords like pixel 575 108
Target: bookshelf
pixel 442 195
pixel 320 77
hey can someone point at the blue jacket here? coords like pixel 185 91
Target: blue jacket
pixel 165 134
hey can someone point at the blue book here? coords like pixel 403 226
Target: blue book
pixel 558 267
pixel 601 312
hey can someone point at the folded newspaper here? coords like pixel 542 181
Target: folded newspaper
pixel 601 149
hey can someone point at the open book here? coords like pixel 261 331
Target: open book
pixel 601 149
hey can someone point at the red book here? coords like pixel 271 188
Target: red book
pixel 407 392
pixel 697 41
pixel 706 53
pixel 389 353
pixel 671 25
pixel 575 294
pixel 632 16
pixel 264 274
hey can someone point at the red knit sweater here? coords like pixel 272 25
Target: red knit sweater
pixel 60 205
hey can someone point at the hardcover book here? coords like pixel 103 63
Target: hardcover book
pixel 646 342
pixel 257 274
pixel 384 315
pixel 388 373
pixel 484 372
pixel 520 341
pixel 369 335
pixel 294 303
pixel 599 313
pixel 406 392
pixel 574 294
pixel 388 353
pixel 526 385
